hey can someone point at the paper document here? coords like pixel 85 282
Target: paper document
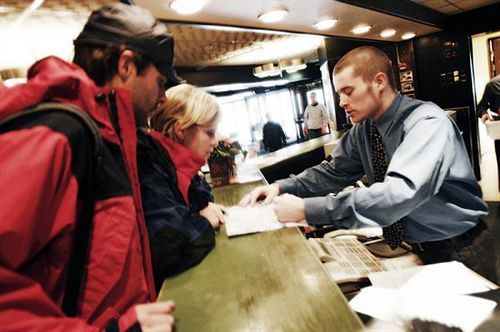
pixel 451 277
pixel 434 292
pixel 253 219
pixel 399 307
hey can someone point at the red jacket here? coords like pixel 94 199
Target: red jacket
pixel 39 183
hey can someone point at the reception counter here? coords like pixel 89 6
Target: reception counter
pixel 261 282
pixel 292 159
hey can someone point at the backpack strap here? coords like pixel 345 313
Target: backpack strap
pixel 86 199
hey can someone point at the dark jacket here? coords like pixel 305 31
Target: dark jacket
pixel 179 236
pixel 491 99
pixel 273 136
pixel 40 172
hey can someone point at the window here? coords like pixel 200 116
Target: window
pixel 244 114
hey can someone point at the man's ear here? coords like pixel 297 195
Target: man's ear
pixel 126 66
pixel 380 80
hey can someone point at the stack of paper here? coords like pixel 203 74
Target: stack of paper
pixel 433 292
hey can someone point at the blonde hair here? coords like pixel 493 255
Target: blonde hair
pixel 187 105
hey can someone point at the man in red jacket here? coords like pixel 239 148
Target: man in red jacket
pixel 126 56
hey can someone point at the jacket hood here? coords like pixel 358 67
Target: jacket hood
pixel 53 79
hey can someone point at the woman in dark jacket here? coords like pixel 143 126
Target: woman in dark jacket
pixel 178 204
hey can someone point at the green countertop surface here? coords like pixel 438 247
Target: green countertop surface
pixel 268 281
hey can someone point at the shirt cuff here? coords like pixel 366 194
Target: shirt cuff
pixel 316 212
pixel 287 186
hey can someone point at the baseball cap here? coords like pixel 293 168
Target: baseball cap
pixel 137 29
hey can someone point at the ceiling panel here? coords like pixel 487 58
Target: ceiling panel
pixel 301 17
pixel 452 7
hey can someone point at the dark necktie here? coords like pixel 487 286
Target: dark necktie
pixel 394 233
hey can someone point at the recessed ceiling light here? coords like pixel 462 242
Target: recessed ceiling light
pixel 325 24
pixel 187 7
pixel 408 35
pixel 387 33
pixel 361 29
pixel 273 16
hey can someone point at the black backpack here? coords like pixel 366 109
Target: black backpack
pixel 86 195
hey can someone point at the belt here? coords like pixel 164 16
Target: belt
pixel 458 242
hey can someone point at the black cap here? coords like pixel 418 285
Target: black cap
pixel 137 29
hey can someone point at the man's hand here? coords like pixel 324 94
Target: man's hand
pixel 485 117
pixel 215 214
pixel 153 317
pixel 268 193
pixel 289 208
pixel 306 131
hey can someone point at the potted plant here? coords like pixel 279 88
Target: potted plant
pixel 221 162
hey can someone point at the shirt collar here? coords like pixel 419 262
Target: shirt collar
pixel 384 123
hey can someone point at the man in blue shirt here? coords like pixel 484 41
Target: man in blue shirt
pixel 416 163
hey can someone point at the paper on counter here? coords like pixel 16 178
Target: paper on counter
pixel 463 311
pixel 376 302
pixel 251 219
pixel 450 277
pixel 433 292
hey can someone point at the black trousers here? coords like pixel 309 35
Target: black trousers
pixel 497 152
pixel 314 133
pixel 476 249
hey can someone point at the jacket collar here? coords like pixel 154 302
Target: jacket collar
pixel 186 162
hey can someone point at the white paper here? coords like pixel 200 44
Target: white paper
pixel 433 292
pixel 251 219
pixel 463 311
pixel 376 302
pixel 450 277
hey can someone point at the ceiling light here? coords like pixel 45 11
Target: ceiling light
pixel 259 72
pixel 291 66
pixel 387 33
pixel 325 24
pixel 408 35
pixel 273 16
pixel 187 7
pixel 361 29
pixel 271 70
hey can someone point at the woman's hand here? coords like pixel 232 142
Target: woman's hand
pixel 214 214
pixel 268 193
pixel 158 316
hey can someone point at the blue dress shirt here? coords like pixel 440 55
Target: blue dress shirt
pixel 429 184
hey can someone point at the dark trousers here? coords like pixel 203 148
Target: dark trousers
pixel 314 133
pixel 497 152
pixel 476 249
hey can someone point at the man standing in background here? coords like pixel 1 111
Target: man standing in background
pixel 316 118
pixel 491 101
pixel 273 136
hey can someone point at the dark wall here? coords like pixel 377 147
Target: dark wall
pixel 444 73
pixel 476 21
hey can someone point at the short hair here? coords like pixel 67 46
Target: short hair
pixel 187 105
pixel 367 61
pixel 101 62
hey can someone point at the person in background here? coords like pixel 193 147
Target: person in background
pixel 316 118
pixel 178 204
pixel 491 101
pixel 421 185
pixel 273 136
pixel 123 61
